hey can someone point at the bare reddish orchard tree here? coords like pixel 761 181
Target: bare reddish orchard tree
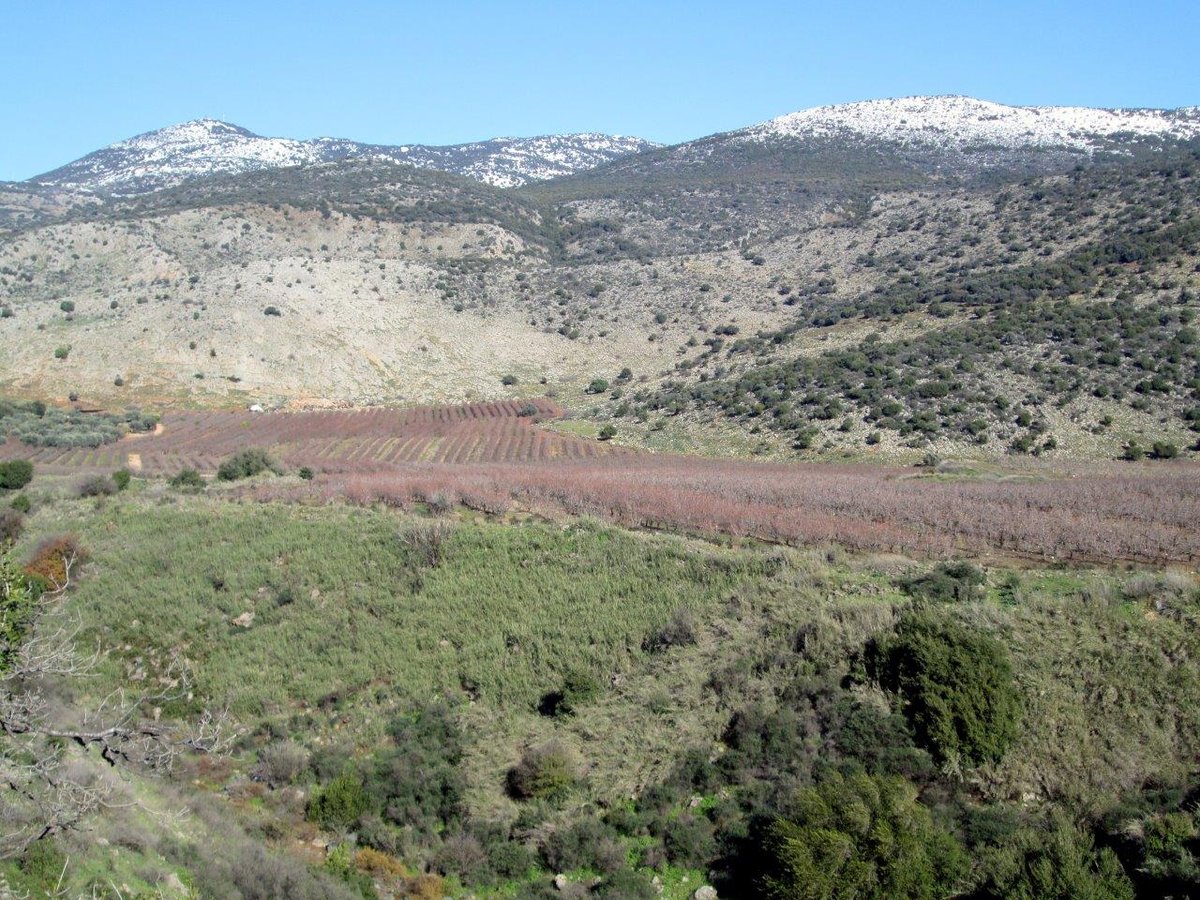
pixel 1108 514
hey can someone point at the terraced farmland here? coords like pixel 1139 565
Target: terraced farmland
pixel 492 456
pixel 359 440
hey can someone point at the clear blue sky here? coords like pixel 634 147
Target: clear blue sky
pixel 75 76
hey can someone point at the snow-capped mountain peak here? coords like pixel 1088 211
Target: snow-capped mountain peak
pixel 956 122
pixel 178 153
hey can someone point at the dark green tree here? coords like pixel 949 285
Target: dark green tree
pixel 861 836
pixel 955 686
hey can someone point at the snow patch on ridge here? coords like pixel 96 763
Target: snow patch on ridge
pixel 172 155
pixel 952 122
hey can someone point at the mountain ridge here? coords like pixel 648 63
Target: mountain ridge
pixel 931 133
pixel 168 156
pixel 938 116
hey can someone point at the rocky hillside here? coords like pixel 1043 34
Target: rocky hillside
pixel 205 147
pixel 765 304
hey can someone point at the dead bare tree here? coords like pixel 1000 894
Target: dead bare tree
pixel 49 779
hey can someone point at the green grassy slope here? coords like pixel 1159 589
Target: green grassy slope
pixel 717 680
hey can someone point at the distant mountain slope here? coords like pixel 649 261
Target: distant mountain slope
pixel 179 153
pixel 830 161
pixel 953 122
pixel 894 141
pixel 890 279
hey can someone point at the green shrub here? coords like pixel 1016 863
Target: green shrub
pixel 18 597
pixel 608 432
pixel 1164 450
pixel 547 772
pixel 418 783
pixel 689 841
pixel 188 480
pixel 248 463
pixel 508 380
pixel 877 738
pixel 955 685
pixel 62 351
pixel 121 479
pixel 956 581
pixel 1133 452
pixel 859 836
pixel 15 474
pixel 338 805
pixel 509 859
pixel 21 503
pixel 597 386
pixel 1171 843
pixel 42 865
pixel 578 689
pixel 1055 862
pixel 340 864
pixel 306 473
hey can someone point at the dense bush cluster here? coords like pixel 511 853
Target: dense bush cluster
pixel 188 480
pixel 413 787
pixel 39 426
pixel 248 463
pixel 15 474
pixel 956 687
pixel 859 836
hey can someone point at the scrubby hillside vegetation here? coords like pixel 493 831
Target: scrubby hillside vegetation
pixel 764 294
pixel 420 698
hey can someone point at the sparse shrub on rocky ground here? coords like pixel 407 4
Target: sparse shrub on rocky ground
pixel 282 762
pixel 97 486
